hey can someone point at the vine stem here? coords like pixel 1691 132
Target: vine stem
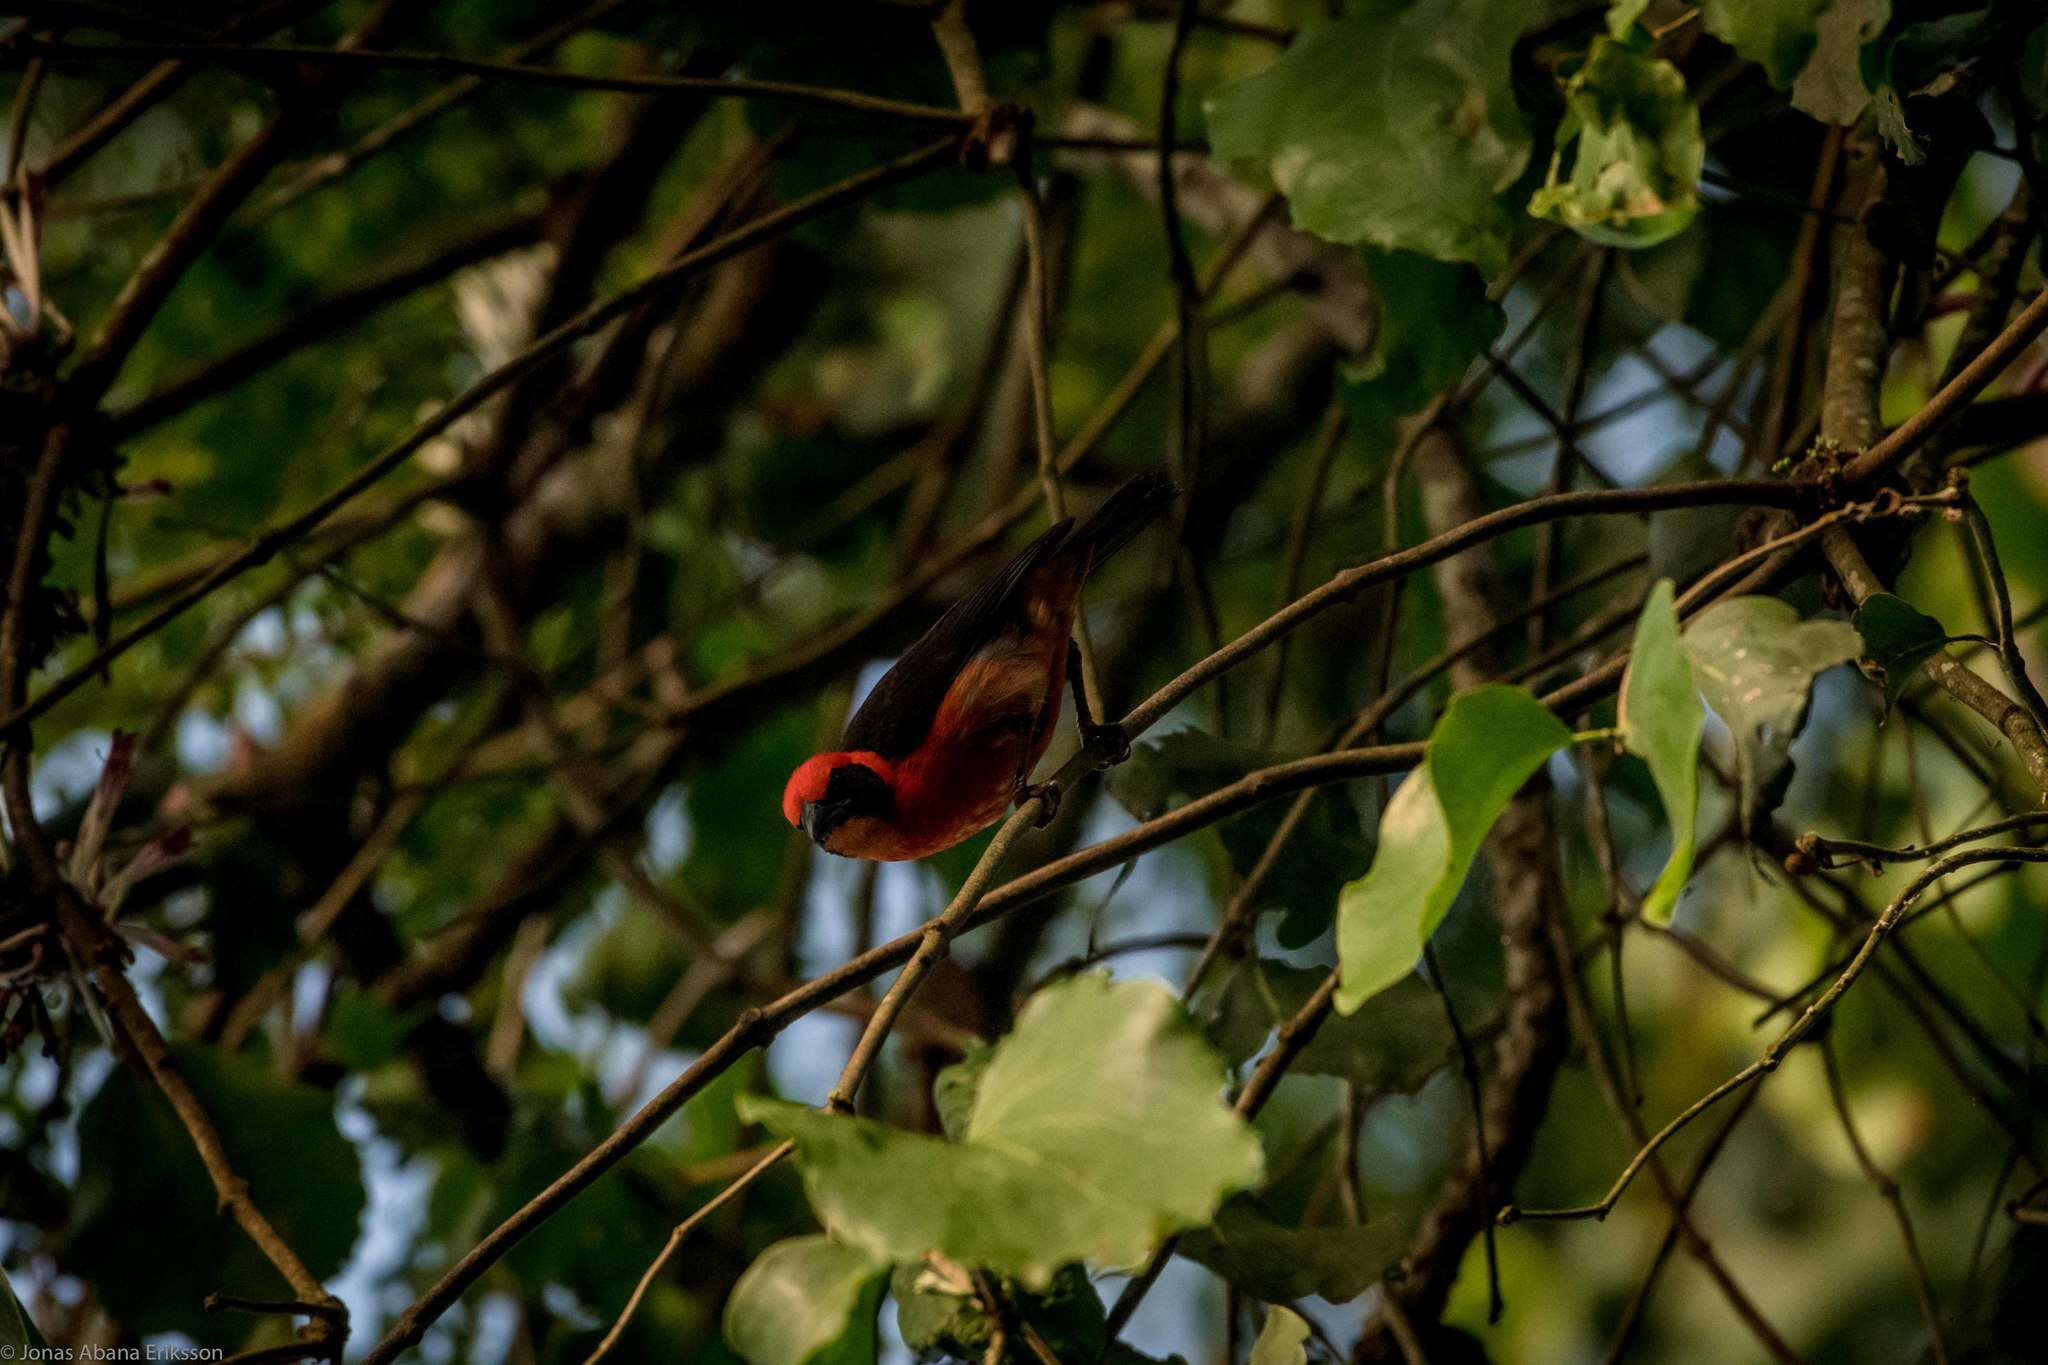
pixel 1769 1060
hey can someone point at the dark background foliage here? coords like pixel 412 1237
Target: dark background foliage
pixel 466 790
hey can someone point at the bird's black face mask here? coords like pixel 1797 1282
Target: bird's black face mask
pixel 854 790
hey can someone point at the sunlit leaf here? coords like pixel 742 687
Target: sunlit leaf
pixel 1488 742
pixel 1283 1340
pixel 1755 661
pixel 1396 127
pixel 1097 1127
pixel 806 1301
pixel 1661 718
pixel 1622 15
pixel 1631 135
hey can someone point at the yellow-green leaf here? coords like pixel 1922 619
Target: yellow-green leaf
pixel 1097 1127
pixel 1631 136
pixel 1488 742
pixel 1661 719
pixel 806 1301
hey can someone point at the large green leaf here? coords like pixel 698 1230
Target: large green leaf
pixel 1755 661
pixel 806 1301
pixel 1488 742
pixel 1632 133
pixel 1394 1043
pixel 1097 1127
pixel 142 1189
pixel 1661 719
pixel 1277 1263
pixel 1283 1340
pixel 1396 127
pixel 1776 34
pixel 1897 638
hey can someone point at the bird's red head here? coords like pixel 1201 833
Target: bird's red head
pixel 827 790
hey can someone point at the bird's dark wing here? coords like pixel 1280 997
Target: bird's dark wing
pixel 898 713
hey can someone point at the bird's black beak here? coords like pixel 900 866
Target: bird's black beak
pixel 822 817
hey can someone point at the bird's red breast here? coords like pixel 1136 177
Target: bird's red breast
pixel 947 737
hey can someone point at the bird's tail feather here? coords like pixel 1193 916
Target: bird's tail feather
pixel 1123 514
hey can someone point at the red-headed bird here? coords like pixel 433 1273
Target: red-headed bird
pixel 948 738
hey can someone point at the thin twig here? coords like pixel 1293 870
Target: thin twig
pixel 1774 1054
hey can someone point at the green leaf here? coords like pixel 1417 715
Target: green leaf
pixel 1277 1263
pixel 1435 320
pixel 1897 638
pixel 142 1188
pixel 362 1033
pixel 1661 718
pixel 1282 1341
pixel 1488 742
pixel 806 1301
pixel 953 1089
pixel 1633 132
pixel 1328 849
pixel 1622 16
pixel 1755 661
pixel 937 1314
pixel 1831 87
pixel 1097 1128
pixel 1394 1043
pixel 1397 127
pixel 18 1332
pixel 1776 34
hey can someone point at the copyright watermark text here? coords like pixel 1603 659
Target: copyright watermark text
pixel 73 1353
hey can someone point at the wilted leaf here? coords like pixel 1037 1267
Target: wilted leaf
pixel 1831 87
pixel 1632 132
pixel 1755 661
pixel 1898 638
pixel 1282 1340
pixel 806 1301
pixel 1396 1041
pixel 1397 128
pixel 1277 1263
pixel 1098 1126
pixel 1661 719
pixel 1488 742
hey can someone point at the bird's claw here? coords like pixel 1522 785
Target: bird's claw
pixel 1108 743
pixel 1048 797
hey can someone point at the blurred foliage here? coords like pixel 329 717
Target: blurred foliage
pixel 492 999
